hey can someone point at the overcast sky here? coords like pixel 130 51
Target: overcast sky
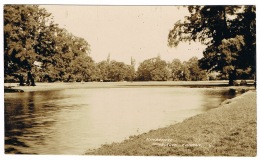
pixel 125 31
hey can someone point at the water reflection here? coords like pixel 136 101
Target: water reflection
pixel 27 119
pixel 72 120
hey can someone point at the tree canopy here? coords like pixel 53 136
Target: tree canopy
pixel 22 27
pixel 115 71
pixel 187 70
pixel 37 48
pixel 153 69
pixel 31 37
pixel 229 33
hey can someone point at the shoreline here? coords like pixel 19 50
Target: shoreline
pixel 229 130
pixel 13 87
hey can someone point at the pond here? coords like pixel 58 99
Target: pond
pixel 71 121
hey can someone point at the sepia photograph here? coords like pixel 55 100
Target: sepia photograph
pixel 129 80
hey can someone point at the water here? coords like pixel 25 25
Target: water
pixel 70 121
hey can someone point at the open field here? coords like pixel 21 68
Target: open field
pixel 229 130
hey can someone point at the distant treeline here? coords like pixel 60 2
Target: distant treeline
pixel 37 49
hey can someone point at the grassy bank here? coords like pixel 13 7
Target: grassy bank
pixel 229 130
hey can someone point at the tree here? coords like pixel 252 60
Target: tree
pixel 116 71
pixel 102 68
pixel 129 73
pixel 31 37
pixel 247 57
pixel 229 52
pixel 22 26
pixel 76 65
pixel 153 69
pixel 195 72
pixel 144 70
pixel 211 25
pixel 176 69
pixel 83 68
pixel 187 71
pixel 185 75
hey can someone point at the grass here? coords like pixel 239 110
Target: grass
pixel 229 130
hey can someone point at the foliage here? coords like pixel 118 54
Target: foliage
pixel 176 69
pixel 130 73
pixel 153 69
pixel 37 48
pixel 196 73
pixel 102 69
pixel 187 71
pixel 30 36
pixel 22 27
pixel 115 71
pixel 70 61
pixel 216 26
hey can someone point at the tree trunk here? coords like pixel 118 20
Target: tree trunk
pixel 232 78
pixel 231 81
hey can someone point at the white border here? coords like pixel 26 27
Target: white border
pixel 106 2
pixel 133 2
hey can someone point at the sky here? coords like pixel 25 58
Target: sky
pixel 123 32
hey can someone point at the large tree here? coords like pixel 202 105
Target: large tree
pixel 115 71
pixel 102 69
pixel 214 26
pixel 153 69
pixel 176 69
pixel 22 26
pixel 70 60
pixel 196 73
pixel 31 37
pixel 187 71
